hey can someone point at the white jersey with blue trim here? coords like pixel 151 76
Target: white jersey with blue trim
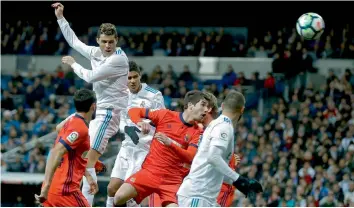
pixel 203 180
pixel 109 74
pixel 147 97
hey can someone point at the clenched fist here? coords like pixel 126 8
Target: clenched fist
pixel 68 60
pixel 59 9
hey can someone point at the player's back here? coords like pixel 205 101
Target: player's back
pixel 145 98
pixel 162 159
pixel 74 136
pixel 113 91
pixel 204 180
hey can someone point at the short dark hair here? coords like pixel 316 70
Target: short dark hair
pixel 107 29
pixel 133 66
pixel 194 97
pixel 234 101
pixel 83 99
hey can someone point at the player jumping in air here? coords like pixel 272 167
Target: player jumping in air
pixel 67 164
pixel 109 76
pixel 162 171
pixel 135 146
pixel 210 166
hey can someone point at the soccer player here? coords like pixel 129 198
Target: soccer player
pixel 135 146
pixel 67 164
pixel 109 76
pixel 203 183
pixel 162 171
pixel 154 199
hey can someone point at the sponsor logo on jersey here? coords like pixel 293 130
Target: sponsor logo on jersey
pixel 142 104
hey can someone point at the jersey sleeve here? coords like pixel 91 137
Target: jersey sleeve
pixel 72 39
pixel 159 102
pixel 73 137
pixel 221 135
pixel 138 114
pixel 114 67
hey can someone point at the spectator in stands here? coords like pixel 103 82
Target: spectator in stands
pixel 229 77
pixel 269 84
pixel 7 102
pixel 241 79
pixel 186 75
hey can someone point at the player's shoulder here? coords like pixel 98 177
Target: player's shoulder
pixel 119 57
pixel 149 90
pixel 77 123
pixel 221 122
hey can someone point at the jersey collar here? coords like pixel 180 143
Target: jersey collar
pixel 183 121
pixel 78 116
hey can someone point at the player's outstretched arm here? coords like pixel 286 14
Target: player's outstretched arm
pixel 114 67
pixel 137 115
pixel 69 34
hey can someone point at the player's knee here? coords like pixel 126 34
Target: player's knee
pixel 113 186
pixel 124 193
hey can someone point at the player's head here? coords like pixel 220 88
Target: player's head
pixel 107 38
pixel 196 105
pixel 213 105
pixel 233 105
pixel 85 101
pixel 134 83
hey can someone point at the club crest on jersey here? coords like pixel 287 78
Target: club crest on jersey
pixel 72 136
pixel 187 137
pixel 142 104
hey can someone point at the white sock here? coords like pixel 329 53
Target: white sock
pixel 110 201
pixel 132 203
pixel 86 186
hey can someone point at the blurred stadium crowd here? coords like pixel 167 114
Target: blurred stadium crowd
pixel 302 151
pixel 45 38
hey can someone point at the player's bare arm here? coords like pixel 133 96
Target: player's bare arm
pixel 138 114
pixel 92 183
pixel 54 161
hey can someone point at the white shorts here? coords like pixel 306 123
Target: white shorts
pixel 103 127
pixel 128 161
pixel 194 202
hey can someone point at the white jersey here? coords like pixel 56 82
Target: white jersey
pixel 203 180
pixel 147 97
pixel 109 75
